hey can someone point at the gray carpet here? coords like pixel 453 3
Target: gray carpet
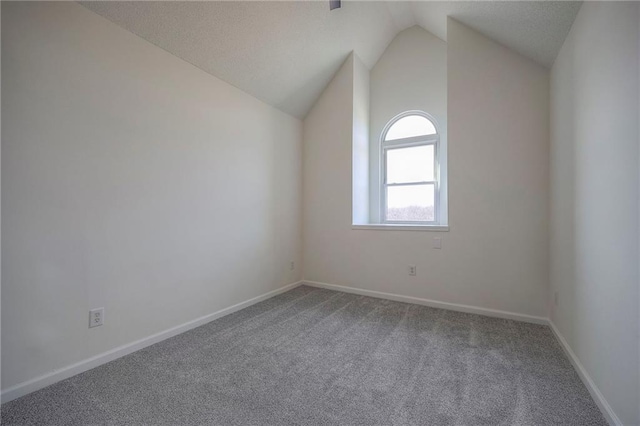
pixel 319 357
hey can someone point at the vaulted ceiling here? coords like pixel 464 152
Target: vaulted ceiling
pixel 285 53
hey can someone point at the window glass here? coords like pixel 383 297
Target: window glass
pixel 410 126
pixel 412 164
pixel 409 184
pixel 412 203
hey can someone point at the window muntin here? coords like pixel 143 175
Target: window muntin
pixel 410 170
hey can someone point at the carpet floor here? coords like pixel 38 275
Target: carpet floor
pixel 318 357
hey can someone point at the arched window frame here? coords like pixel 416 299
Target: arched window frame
pixel 421 140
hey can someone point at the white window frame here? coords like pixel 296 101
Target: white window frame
pixel 423 140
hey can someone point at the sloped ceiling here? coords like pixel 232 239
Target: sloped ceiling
pixel 285 53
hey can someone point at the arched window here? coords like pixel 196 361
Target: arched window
pixel 410 170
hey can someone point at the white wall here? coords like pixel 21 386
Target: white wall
pixel 498 170
pixel 0 197
pixel 133 181
pixel 327 172
pixel 411 74
pixel 496 253
pixel 594 199
pixel 361 105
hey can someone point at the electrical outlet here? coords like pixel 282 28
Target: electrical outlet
pixel 412 270
pixel 96 317
pixel 292 265
pixel 555 298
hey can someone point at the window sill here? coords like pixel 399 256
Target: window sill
pixel 394 227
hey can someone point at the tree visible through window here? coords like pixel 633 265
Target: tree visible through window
pixel 410 169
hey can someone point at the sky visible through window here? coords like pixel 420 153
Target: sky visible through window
pixel 410 126
pixel 413 164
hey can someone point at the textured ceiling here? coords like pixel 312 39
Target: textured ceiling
pixel 535 29
pixel 285 53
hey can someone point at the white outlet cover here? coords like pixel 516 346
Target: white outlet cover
pixel 96 317
pixel 412 270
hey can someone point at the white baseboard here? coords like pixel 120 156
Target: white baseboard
pixel 45 380
pixel 597 396
pixel 432 303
